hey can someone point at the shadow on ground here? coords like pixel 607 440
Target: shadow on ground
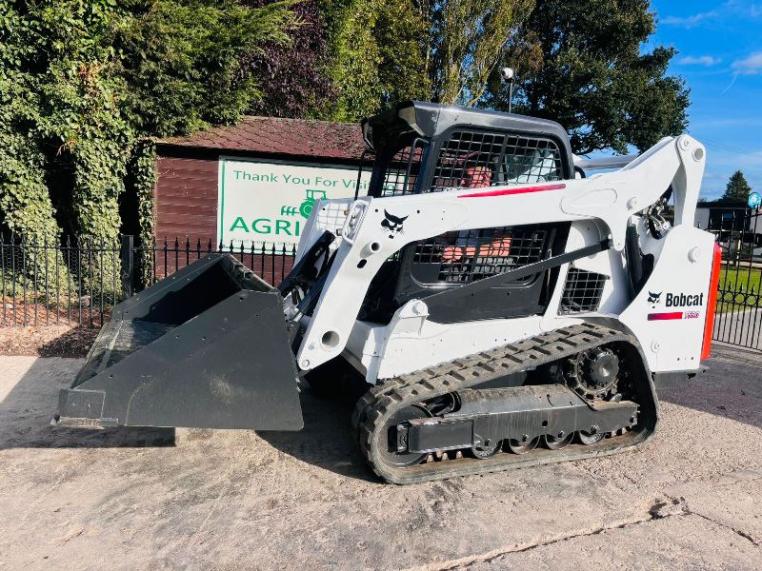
pixel 731 388
pixel 73 343
pixel 28 407
pixel 327 439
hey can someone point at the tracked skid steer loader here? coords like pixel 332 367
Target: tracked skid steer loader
pixel 501 308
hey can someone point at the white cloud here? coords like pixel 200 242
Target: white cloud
pixel 690 21
pixel 731 8
pixel 751 160
pixel 750 65
pixel 699 60
pixel 743 7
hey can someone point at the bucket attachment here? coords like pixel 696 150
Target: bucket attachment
pixel 206 347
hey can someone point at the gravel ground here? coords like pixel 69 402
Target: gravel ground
pixel 201 499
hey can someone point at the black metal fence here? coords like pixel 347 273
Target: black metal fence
pixel 738 317
pixel 78 281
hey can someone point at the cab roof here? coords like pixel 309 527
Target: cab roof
pixel 434 121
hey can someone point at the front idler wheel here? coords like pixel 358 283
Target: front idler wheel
pixel 390 452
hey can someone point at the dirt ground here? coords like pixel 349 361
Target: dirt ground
pixel 200 499
pixel 64 339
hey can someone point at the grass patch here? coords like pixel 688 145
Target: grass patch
pixel 739 289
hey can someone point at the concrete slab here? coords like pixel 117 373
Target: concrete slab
pixel 230 499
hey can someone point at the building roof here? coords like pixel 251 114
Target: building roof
pixel 278 136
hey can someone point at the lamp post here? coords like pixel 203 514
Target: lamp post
pixel 509 76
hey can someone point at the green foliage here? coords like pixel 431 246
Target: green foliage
pixel 444 51
pixel 375 55
pixel 738 189
pixel 355 59
pixel 182 61
pixel 466 39
pixel 143 167
pixel 81 81
pixel 24 202
pixel 580 63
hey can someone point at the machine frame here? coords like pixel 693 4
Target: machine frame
pixel 599 209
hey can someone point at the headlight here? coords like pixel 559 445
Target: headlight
pixel 354 220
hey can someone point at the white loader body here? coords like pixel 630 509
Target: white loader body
pixel 599 208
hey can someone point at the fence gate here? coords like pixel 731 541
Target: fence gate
pixel 738 319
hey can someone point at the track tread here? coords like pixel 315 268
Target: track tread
pixel 375 408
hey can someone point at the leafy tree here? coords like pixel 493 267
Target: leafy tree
pixel 580 63
pixel 375 55
pixel 184 62
pixel 293 82
pixel 466 40
pixel 84 79
pixel 738 189
pixel 81 81
pixel 443 51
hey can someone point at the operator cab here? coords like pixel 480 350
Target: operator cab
pixel 425 147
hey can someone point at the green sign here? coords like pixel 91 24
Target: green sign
pixel 271 201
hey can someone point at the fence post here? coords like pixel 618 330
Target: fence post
pixel 127 255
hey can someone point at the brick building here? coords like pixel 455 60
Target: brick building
pixel 187 195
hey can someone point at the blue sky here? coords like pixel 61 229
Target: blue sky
pixel 720 57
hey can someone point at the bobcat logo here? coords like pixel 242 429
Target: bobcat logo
pixel 393 223
pixel 654 297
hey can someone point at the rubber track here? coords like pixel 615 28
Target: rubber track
pixel 376 407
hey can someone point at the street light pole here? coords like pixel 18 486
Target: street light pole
pixel 509 76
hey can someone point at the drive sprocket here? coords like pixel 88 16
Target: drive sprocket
pixel 593 374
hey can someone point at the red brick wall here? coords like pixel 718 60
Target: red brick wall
pixel 186 198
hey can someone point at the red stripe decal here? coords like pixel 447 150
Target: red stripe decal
pixel 665 316
pixel 510 191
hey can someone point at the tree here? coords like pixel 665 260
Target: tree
pixel 466 41
pixel 581 64
pixel 375 55
pixel 386 51
pixel 293 82
pixel 184 61
pixel 738 189
pixel 82 81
